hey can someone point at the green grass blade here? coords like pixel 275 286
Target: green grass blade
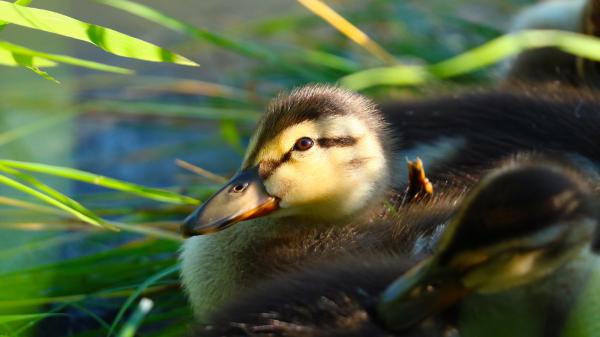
pixel 20 50
pixel 14 318
pixel 74 174
pixel 26 61
pixel 52 201
pixel 329 60
pixel 246 48
pixel 398 75
pixel 150 14
pixel 489 53
pixel 27 129
pixel 148 255
pixel 104 38
pixel 7 58
pixel 138 292
pixel 477 58
pixel 52 193
pixel 174 110
pixel 3 24
pixel 42 74
pixel 28 190
pixel 28 206
pixel 91 314
pixel 149 231
pixel 135 320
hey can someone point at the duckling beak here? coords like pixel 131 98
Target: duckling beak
pixel 244 197
pixel 423 291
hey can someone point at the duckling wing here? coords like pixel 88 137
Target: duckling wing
pixel 484 127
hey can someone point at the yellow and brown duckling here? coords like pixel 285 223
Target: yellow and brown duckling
pixel 323 161
pixel 514 241
pixel 319 166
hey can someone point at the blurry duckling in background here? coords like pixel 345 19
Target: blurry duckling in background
pixel 523 231
pixel 516 257
pixel 551 65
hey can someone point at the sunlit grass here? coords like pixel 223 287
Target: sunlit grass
pixel 105 38
pixel 321 9
pixel 488 54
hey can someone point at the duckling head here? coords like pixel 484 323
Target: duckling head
pixel 319 152
pixel 519 225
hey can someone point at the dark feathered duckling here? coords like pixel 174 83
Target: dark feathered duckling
pixel 552 65
pixel 522 228
pixel 516 258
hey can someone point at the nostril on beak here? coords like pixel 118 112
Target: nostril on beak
pixel 239 188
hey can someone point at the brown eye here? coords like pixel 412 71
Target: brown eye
pixel 303 144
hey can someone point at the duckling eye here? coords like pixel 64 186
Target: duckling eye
pixel 303 144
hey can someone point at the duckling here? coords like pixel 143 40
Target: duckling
pixel 319 166
pixel 516 257
pixel 524 227
pixel 551 65
pixel 318 171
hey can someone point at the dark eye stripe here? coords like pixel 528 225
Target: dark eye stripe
pixel 339 141
pixel 267 167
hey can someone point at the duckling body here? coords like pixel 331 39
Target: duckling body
pixel 264 249
pixel 342 297
pixel 327 300
pixel 338 300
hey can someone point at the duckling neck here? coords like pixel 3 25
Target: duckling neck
pixel 217 267
pixel 213 265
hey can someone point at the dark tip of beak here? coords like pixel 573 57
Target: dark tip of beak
pixel 191 228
